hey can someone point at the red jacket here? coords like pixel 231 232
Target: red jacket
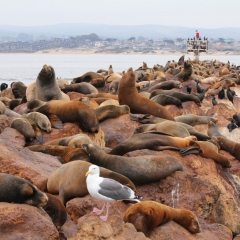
pixel 197 34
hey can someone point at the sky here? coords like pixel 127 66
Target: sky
pixel 185 13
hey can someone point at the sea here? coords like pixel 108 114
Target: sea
pixel 25 67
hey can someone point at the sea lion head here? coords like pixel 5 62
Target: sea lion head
pixel 190 221
pixel 47 73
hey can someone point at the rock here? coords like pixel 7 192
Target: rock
pixel 117 130
pixel 5 121
pixel 68 229
pixel 12 137
pixel 21 109
pixel 21 221
pixel 222 109
pixel 92 227
pixel 70 129
pixel 237 237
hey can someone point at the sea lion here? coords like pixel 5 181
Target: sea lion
pixel 147 215
pixel 186 72
pixel 167 85
pixel 154 141
pixel 113 86
pixel 167 100
pixel 209 80
pixel 18 89
pixel 109 102
pixel 45 88
pixel 102 95
pixel 110 111
pixel 156 120
pixel 140 170
pixel 2 108
pixel 56 210
pixel 70 111
pixel 69 180
pixel 181 60
pixel 5 100
pixel 183 97
pixel 83 87
pixel 127 92
pixel 111 77
pixel 16 102
pixel 4 86
pixel 23 126
pixel 14 189
pixel 91 77
pixel 168 127
pixel 192 119
pixel 65 154
pixel 213 130
pixel 62 83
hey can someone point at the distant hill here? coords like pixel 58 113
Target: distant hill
pixel 112 31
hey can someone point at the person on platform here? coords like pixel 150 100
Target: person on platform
pixel 197 35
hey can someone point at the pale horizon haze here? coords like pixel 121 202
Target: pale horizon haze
pixel 209 14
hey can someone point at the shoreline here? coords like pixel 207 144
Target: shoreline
pixel 93 52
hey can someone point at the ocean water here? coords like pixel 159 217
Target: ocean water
pixel 25 67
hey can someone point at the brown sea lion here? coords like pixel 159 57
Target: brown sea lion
pixel 147 215
pixel 140 170
pixel 102 95
pixel 109 102
pixel 95 79
pixel 65 154
pixel 183 97
pixel 167 85
pixel 70 111
pixel 5 100
pixel 181 60
pixel 18 89
pixel 2 108
pixel 14 189
pixel 70 181
pixel 167 100
pixel 56 210
pixel 83 87
pixel 186 72
pixel 192 119
pixel 127 92
pixel 111 111
pixel 153 141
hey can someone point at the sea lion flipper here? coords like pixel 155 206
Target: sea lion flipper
pixel 55 121
pixel 161 148
pixel 38 133
pixel 40 137
pixel 190 150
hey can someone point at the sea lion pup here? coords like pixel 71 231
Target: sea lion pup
pixel 169 127
pixel 111 111
pixel 113 86
pixel 45 88
pixel 111 77
pixel 183 97
pixel 154 121
pixel 91 77
pixel 192 119
pixel 147 215
pixel 167 100
pixel 140 170
pixel 18 89
pixel 83 87
pixel 62 82
pixel 209 80
pixel 70 181
pixel 65 154
pixel 56 210
pixel 154 141
pixel 213 130
pixel 186 72
pixel 102 95
pixel 109 102
pixel 70 111
pixel 166 85
pixel 14 189
pixel 4 86
pixel 127 92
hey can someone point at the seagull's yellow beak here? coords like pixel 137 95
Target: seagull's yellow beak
pixel 87 173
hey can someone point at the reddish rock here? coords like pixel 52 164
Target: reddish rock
pixel 5 121
pixel 21 109
pixel 117 130
pixel 68 229
pixel 222 109
pixel 237 237
pixel 21 221
pixel 92 227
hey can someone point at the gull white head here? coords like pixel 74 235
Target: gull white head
pixel 93 169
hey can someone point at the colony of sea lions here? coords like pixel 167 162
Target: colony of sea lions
pixel 158 98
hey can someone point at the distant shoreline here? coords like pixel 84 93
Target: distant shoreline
pixel 156 52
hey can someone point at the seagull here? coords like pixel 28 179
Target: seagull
pixel 189 89
pixel 107 190
pixel 214 101
pixel 232 126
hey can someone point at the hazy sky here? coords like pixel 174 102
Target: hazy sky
pixel 185 13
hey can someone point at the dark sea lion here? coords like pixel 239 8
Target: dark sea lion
pixel 147 215
pixel 113 86
pixel 186 72
pixel 167 85
pixel 45 88
pixel 56 210
pixel 156 120
pixel 14 189
pixel 95 79
pixel 192 119
pixel 127 92
pixel 181 60
pixel 183 97
pixel 152 141
pixel 70 111
pixel 16 102
pixel 83 87
pixel 111 111
pixel 4 86
pixel 70 181
pixel 140 170
pixel 19 89
pixel 65 154
pixel 167 100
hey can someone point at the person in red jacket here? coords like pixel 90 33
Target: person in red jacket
pixel 197 35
